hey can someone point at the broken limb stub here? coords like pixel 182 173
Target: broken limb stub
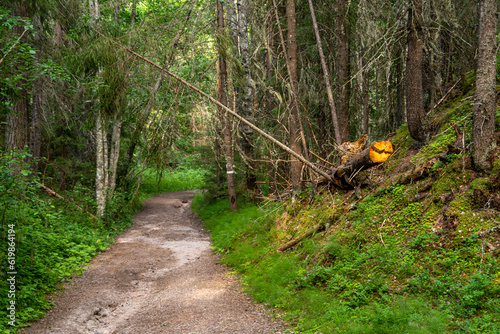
pixel 343 175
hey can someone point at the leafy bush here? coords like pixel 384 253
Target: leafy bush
pixel 52 239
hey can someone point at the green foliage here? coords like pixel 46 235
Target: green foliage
pixel 380 270
pixel 52 239
pixel 175 180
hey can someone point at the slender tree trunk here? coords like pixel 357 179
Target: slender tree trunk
pixel 270 105
pixel 105 148
pixel 400 91
pixel 322 131
pixel 343 72
pixel 326 76
pixel 114 155
pixel 16 134
pixel 269 61
pixel 415 113
pixel 94 11
pixel 365 73
pixel 100 184
pixel 294 123
pixel 485 101
pixel 225 118
pixel 246 105
pixel 133 14
pixel 101 137
pixel 117 11
pixel 38 101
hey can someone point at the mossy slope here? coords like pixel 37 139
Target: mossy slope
pixel 394 257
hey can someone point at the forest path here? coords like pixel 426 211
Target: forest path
pixel 160 276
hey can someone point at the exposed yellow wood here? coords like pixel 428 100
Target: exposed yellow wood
pixel 381 151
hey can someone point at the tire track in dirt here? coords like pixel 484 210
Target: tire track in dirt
pixel 160 276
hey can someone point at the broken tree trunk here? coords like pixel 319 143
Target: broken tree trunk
pixel 301 237
pixel 53 193
pixel 423 169
pixel 343 175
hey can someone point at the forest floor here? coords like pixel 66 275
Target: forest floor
pixel 160 276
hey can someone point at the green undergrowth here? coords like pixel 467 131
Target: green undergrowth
pixel 394 257
pixel 44 240
pixel 180 179
pixel 378 268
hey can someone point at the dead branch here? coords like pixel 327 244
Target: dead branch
pixel 301 237
pixel 54 194
pixel 446 95
pixel 488 231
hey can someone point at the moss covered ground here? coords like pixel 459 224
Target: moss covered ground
pixel 395 257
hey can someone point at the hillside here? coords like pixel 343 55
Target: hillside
pixel 414 249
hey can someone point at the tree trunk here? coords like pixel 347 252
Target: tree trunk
pixel 225 118
pixel 485 101
pixel 326 76
pixel 16 134
pixel 415 113
pixel 38 101
pixel 117 12
pixel 94 12
pixel 114 156
pixel 343 72
pixel 400 91
pixel 133 14
pixel 17 124
pixel 365 73
pixel 294 117
pixel 100 183
pixel 245 96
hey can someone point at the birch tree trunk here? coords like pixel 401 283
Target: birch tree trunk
pixel 100 134
pixel 114 155
pixel 247 109
pixel 238 22
pixel 365 74
pixel 100 180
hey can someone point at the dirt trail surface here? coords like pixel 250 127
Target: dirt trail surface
pixel 160 276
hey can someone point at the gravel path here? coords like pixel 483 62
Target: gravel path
pixel 160 276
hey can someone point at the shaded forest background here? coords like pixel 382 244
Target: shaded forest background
pixel 69 94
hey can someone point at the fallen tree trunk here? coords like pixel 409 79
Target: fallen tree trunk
pixel 301 237
pixel 53 193
pixel 376 154
pixel 226 109
pixel 423 169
